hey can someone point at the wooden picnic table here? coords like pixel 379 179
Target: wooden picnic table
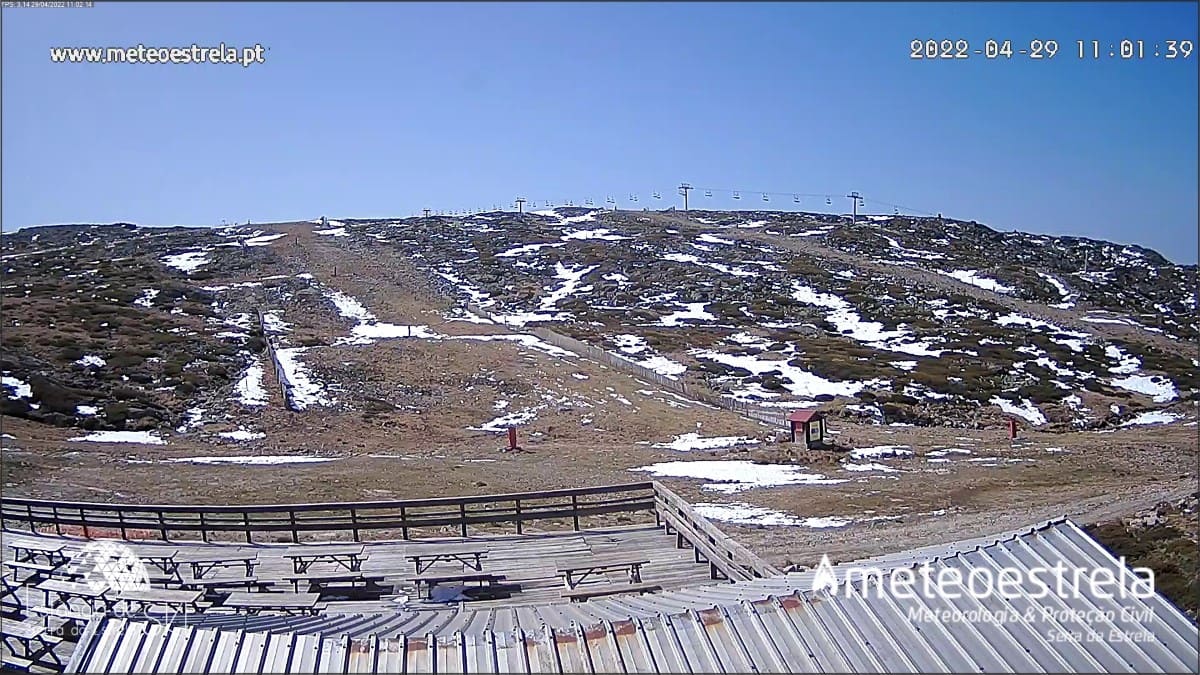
pixel 163 560
pixel 349 556
pixel 574 572
pixel 144 598
pixel 470 555
pixel 29 551
pixel 70 590
pixel 428 581
pixel 323 580
pixel 288 603
pixel 203 563
pixel 34 639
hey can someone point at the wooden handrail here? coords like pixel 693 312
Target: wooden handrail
pixel 352 517
pixel 734 560
pixel 395 503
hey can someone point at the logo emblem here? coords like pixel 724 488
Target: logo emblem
pixel 107 565
pixel 825 579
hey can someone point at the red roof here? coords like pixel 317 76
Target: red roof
pixel 805 415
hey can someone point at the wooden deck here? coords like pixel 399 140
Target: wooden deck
pixel 528 562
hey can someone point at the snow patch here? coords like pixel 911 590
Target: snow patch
pixel 693 441
pixel 741 513
pixel 145 437
pixel 187 262
pixel 736 476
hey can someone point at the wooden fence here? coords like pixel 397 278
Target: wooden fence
pixel 285 385
pixel 405 517
pixel 409 518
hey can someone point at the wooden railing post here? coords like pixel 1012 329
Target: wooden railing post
pixel 121 522
pixel 295 534
pixel 354 523
pixel 82 520
pixel 462 513
pixel 162 525
pixel 518 515
pixel 246 522
pixel 575 511
pixel 57 525
pixel 203 529
pixel 403 523
pixel 29 512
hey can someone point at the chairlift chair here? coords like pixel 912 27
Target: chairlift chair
pixel 737 195
pixel 796 198
pixel 708 193
pixel 657 196
pixel 766 198
pixel 828 201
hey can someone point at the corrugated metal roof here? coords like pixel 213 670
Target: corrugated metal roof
pixel 780 628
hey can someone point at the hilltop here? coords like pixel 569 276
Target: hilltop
pixel 135 363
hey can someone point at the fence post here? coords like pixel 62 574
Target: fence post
pixel 121 523
pixel 354 523
pixel 57 525
pixel 82 520
pixel 162 525
pixel 29 517
pixel 462 513
pixel 246 521
pixel 575 511
pixel 403 524
pixel 518 516
pixel 295 534
pixel 203 529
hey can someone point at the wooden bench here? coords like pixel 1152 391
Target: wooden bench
pixel 28 551
pixel 323 580
pixel 70 590
pixel 428 581
pixel 574 572
pixel 68 622
pixel 470 555
pixel 39 570
pixel 349 556
pixel 180 601
pixel 203 563
pixel 15 662
pixel 600 590
pixel 215 583
pixel 287 603
pixel 34 643
pixel 62 613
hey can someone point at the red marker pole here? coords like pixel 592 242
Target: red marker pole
pixel 1012 429
pixel 512 438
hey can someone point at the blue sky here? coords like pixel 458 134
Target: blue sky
pixel 379 109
